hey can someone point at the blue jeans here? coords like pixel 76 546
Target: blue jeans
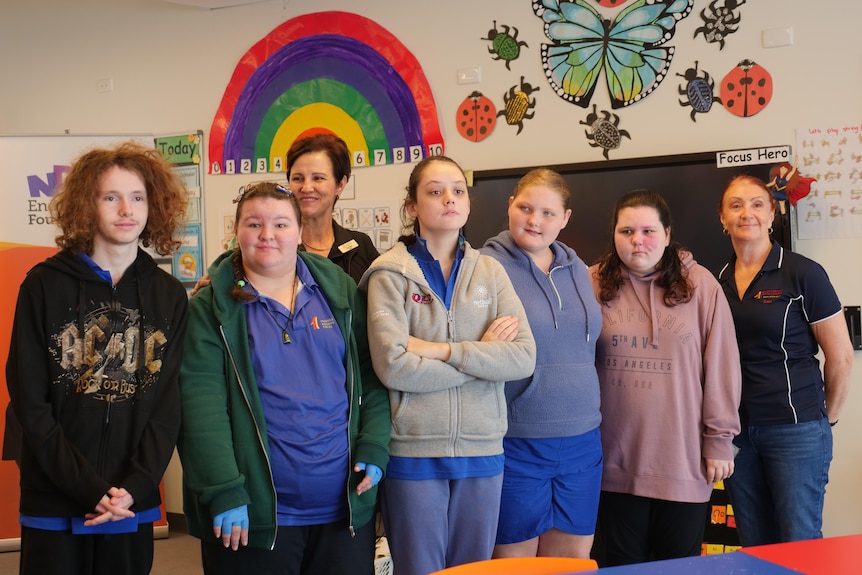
pixel 779 481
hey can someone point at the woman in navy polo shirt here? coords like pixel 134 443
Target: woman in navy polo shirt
pixel 784 308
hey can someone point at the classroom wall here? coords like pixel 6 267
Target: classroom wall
pixel 171 63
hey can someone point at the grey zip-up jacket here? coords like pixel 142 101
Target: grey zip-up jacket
pixel 455 408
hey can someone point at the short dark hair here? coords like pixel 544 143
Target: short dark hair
pixel 332 145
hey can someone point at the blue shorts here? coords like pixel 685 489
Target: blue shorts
pixel 550 482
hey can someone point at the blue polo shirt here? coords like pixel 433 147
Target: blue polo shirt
pixel 303 392
pixel 781 378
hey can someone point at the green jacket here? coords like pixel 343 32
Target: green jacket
pixel 223 442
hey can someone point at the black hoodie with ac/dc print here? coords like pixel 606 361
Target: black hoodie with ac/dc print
pixel 93 381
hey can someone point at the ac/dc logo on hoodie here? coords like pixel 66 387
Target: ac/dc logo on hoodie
pixel 105 361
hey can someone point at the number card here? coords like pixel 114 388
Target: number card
pixel 415 153
pixel 261 165
pixel 245 166
pixel 435 149
pixel 398 156
pixel 359 159
pixel 379 157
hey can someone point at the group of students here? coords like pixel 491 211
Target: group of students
pixel 518 402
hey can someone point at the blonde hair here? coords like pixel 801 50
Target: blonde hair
pixel 548 178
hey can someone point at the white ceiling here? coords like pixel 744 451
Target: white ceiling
pixel 213 4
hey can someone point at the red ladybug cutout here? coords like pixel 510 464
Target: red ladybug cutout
pixel 746 89
pixel 476 117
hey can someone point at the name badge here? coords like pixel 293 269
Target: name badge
pixel 347 246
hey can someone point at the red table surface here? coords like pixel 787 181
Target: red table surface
pixel 829 556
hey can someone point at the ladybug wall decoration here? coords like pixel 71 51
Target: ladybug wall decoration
pixel 700 91
pixel 518 105
pixel 746 89
pixel 604 132
pixel 476 117
pixel 719 21
pixel 504 46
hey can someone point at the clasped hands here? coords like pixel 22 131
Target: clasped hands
pixel 114 506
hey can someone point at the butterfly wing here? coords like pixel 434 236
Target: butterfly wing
pixel 633 74
pixel 574 61
pixel 627 49
pixel 635 62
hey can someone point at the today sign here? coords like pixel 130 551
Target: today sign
pixel 735 158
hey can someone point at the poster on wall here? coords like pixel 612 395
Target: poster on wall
pixel 31 169
pixel 374 220
pixel 832 155
pixel 183 151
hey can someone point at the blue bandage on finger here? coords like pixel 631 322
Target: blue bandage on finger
pixel 372 471
pixel 238 516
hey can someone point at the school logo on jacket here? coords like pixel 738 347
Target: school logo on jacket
pixel 104 362
pixel 420 298
pixel 481 296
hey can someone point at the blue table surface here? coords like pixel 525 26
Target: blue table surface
pixel 734 563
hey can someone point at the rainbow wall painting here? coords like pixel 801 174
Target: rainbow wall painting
pixel 332 72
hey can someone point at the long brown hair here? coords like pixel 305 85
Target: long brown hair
pixel 672 277
pixel 792 181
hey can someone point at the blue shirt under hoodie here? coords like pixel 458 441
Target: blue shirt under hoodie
pixel 305 401
pixel 561 398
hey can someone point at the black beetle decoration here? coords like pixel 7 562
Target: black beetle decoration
pixel 719 21
pixel 699 90
pixel 605 132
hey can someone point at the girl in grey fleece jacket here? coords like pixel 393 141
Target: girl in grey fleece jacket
pixel 445 330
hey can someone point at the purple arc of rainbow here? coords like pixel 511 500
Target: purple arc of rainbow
pixel 337 49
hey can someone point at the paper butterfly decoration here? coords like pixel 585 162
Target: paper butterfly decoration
pixel 629 48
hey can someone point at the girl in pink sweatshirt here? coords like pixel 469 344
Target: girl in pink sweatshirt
pixel 668 367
